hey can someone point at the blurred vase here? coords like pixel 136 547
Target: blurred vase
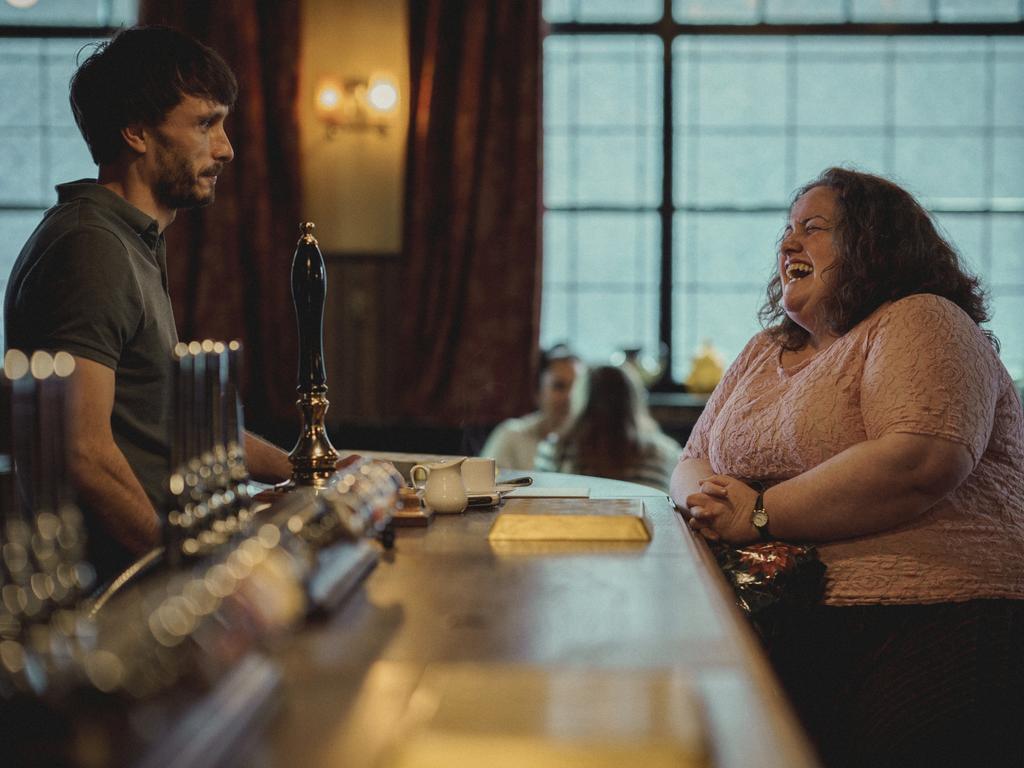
pixel 707 369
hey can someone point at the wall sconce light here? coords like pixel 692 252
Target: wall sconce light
pixel 357 104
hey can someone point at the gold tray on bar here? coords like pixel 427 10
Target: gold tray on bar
pixel 572 520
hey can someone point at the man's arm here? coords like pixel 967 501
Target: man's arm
pixel 99 471
pixel 267 463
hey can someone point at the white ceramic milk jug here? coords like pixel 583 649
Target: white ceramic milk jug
pixel 441 482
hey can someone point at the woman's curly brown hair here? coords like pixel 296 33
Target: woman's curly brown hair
pixel 887 248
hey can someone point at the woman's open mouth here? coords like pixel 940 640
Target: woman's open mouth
pixel 797 270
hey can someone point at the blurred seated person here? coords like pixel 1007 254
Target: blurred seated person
pixel 874 418
pixel 613 435
pixel 513 442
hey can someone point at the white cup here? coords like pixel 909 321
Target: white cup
pixel 478 475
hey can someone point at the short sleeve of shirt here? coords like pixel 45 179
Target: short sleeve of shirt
pixel 697 445
pixel 80 297
pixel 930 370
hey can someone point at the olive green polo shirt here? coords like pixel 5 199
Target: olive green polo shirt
pixel 92 280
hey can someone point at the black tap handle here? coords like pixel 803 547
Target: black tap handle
pixel 309 292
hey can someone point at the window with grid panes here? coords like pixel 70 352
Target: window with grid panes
pixel 40 145
pixel 675 134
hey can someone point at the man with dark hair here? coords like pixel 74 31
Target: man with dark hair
pixel 92 279
pixel 513 443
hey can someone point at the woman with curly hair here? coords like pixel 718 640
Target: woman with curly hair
pixel 874 418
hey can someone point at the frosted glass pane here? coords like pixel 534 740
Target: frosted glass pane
pixel 635 11
pixel 1009 89
pixel 589 248
pixel 940 48
pixel 846 49
pixel 601 281
pixel 72 13
pixel 967 233
pixel 742 92
pixel 19 90
pixel 960 101
pixel 558 174
pixel 61 12
pixel 888 10
pixel 602 120
pixel 560 96
pixel 1009 166
pixel 617 248
pixel 602 81
pixel 1008 46
pixel 979 10
pixel 940 166
pixel 69 159
pixel 608 322
pixel 715 11
pixel 619 92
pixel 804 11
pixel 21 182
pixel 623 169
pixel 726 47
pixel 591 80
pixel 849 150
pixel 557 242
pixel 1008 251
pixel 557 10
pixel 743 170
pixel 556 308
pixel 1008 325
pixel 840 92
pixel 61 57
pixel 727 249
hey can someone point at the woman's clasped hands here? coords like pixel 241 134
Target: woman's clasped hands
pixel 722 510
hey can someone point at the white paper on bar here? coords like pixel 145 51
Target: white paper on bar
pixel 533 492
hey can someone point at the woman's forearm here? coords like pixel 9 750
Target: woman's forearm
pixel 870 487
pixel 686 479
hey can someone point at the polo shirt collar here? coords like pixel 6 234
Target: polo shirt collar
pixel 147 228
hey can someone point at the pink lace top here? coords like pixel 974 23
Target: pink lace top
pixel 918 365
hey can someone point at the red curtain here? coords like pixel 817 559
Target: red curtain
pixel 471 235
pixel 229 264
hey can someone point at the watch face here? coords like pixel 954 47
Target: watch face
pixel 760 519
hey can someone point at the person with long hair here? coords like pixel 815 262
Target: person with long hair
pixel 613 435
pixel 874 418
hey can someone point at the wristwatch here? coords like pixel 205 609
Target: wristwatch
pixel 759 518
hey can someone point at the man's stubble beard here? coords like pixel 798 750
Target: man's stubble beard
pixel 177 187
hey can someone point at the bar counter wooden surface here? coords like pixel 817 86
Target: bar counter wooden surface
pixel 445 602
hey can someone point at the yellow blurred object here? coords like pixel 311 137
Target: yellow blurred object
pixel 507 716
pixel 707 370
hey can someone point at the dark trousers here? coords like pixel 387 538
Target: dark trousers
pixel 918 685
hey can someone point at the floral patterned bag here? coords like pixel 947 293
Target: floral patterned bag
pixel 771 579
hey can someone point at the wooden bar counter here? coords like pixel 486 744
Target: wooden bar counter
pixel 567 637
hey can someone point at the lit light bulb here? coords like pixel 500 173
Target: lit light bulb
pixel 21 3
pixel 329 97
pixel 382 94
